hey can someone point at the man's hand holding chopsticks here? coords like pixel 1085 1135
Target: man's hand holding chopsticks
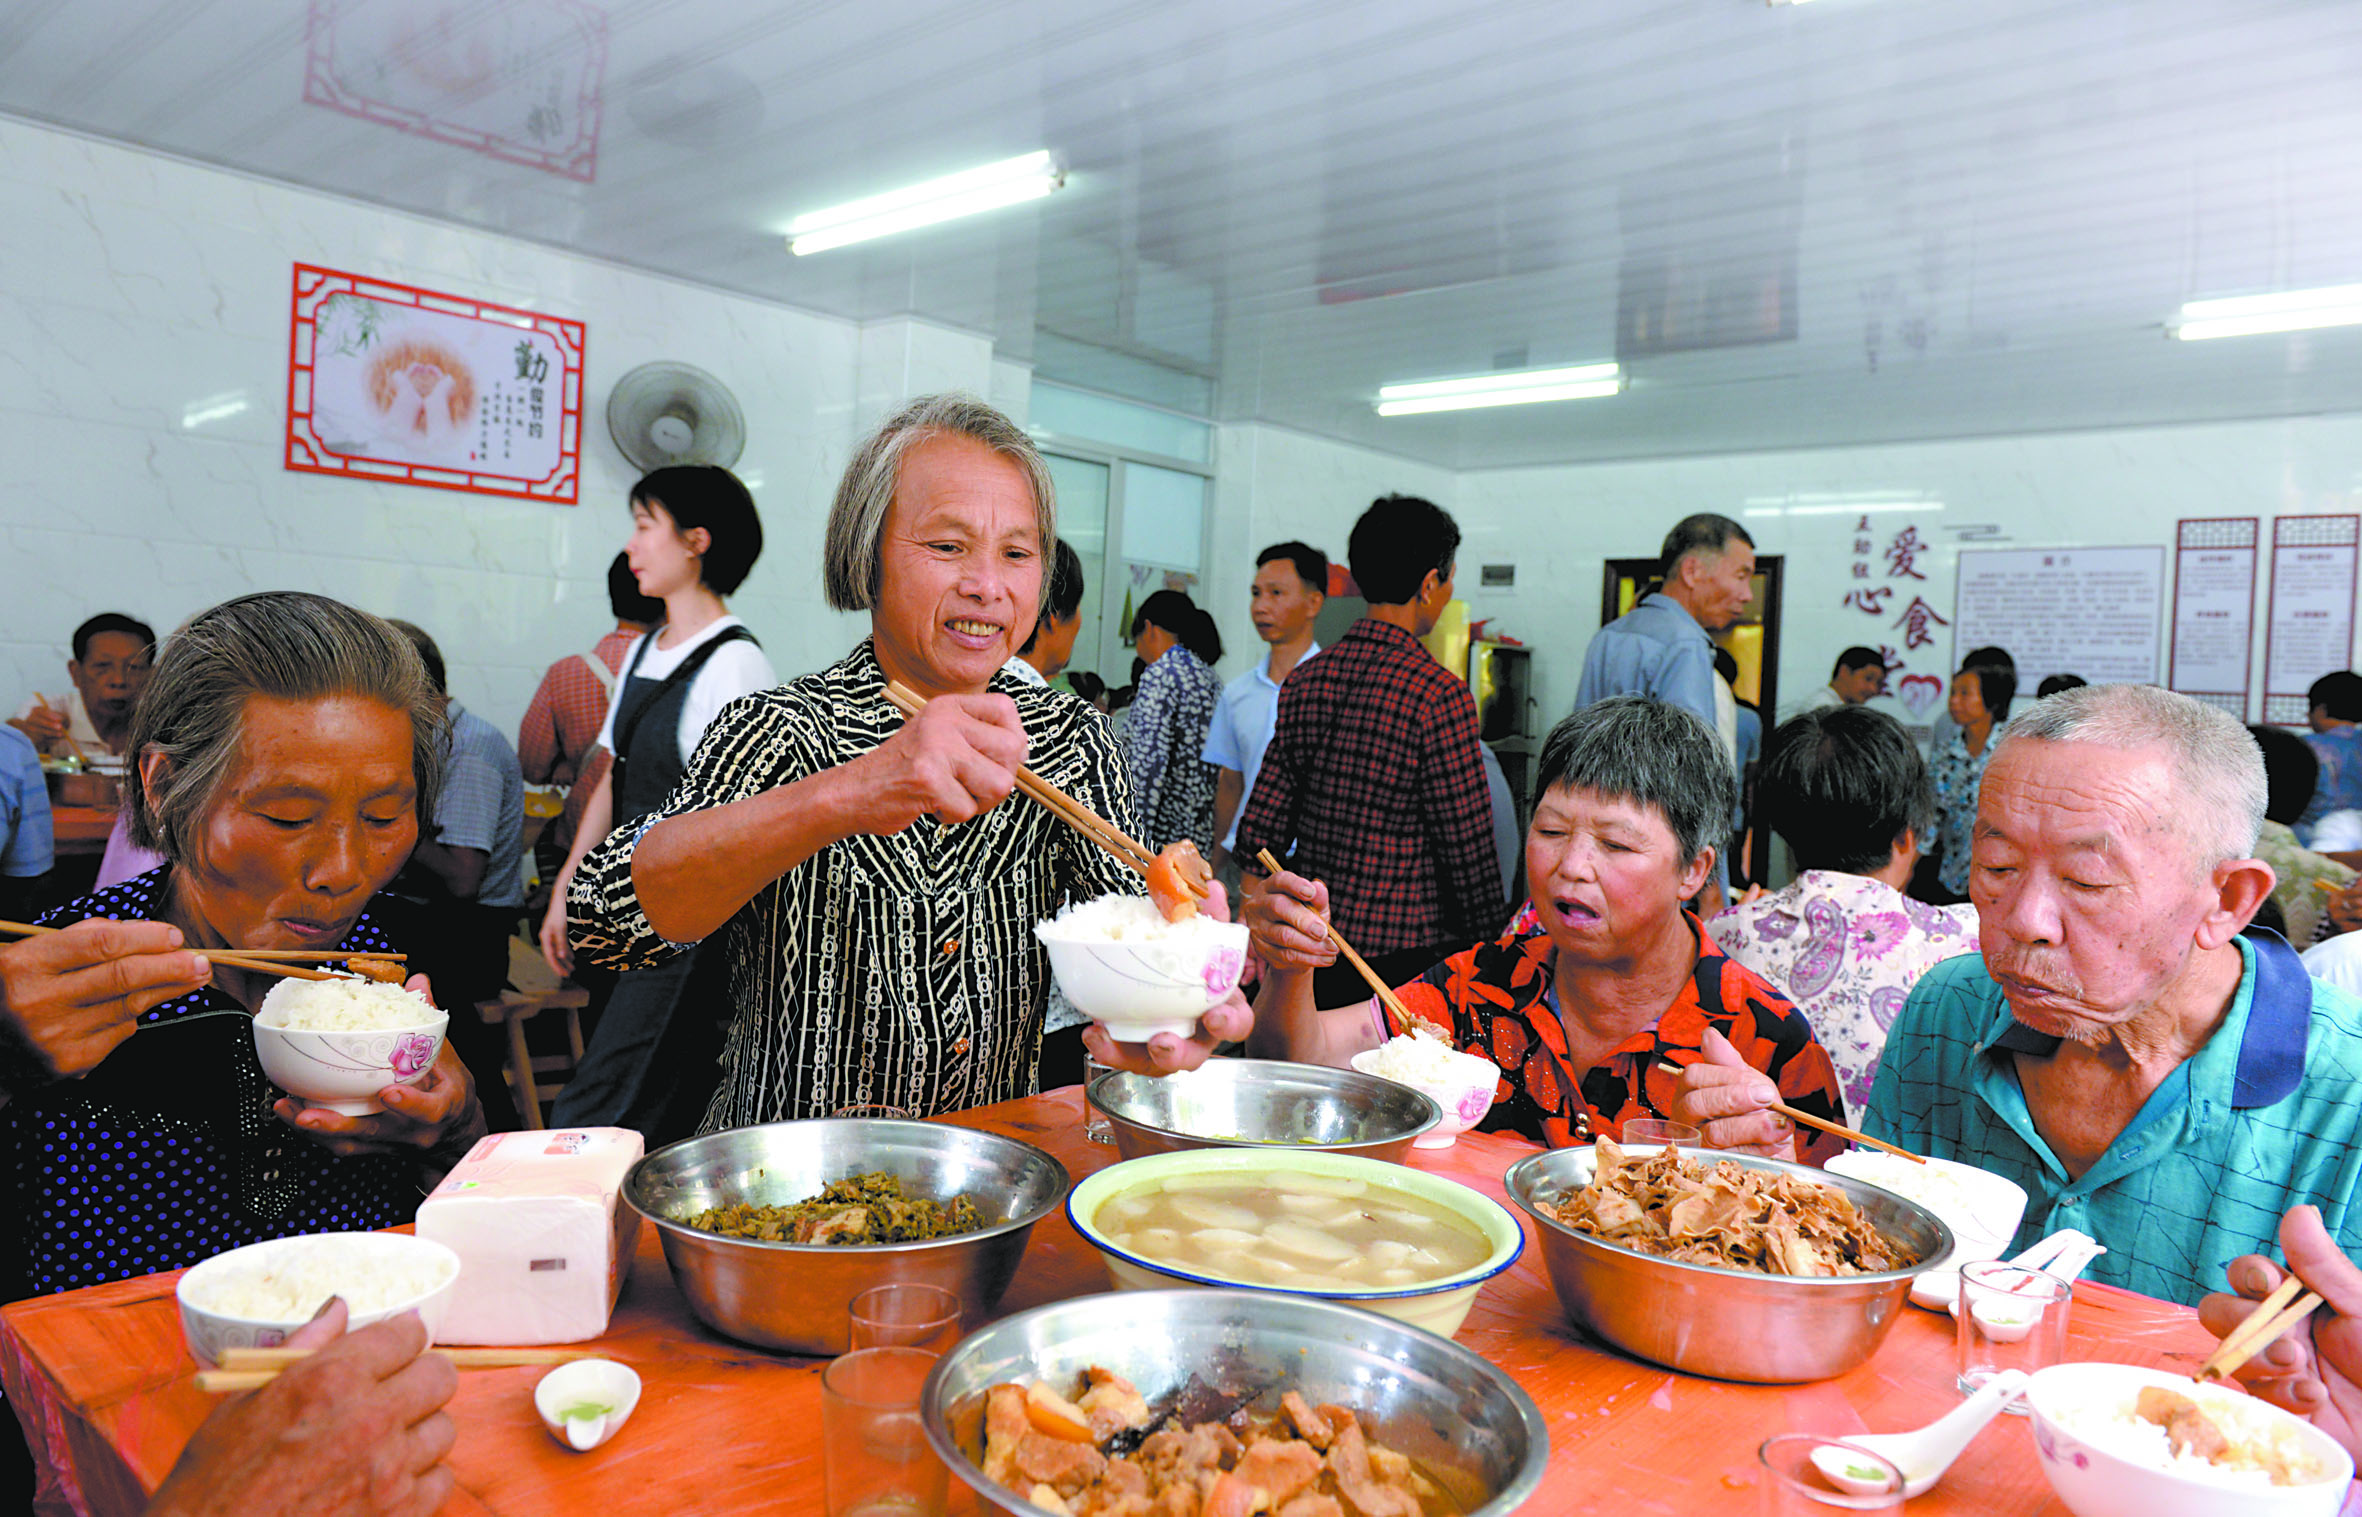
pixel 2315 1370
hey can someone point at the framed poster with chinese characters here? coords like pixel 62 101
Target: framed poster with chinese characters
pixel 391 382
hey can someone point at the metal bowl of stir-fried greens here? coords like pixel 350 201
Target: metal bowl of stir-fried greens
pixel 1764 1271
pixel 772 1231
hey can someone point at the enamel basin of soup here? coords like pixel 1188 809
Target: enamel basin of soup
pixel 1332 1226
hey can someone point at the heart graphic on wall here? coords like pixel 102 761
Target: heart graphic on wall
pixel 1919 693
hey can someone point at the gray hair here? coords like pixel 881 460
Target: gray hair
pixel 849 561
pixel 1703 532
pixel 2218 772
pixel 1650 753
pixel 283 644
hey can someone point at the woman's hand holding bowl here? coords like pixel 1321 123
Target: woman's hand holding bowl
pixel 955 760
pixel 437 1114
pixel 1227 1021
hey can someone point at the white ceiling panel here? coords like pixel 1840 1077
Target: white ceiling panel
pixel 1848 221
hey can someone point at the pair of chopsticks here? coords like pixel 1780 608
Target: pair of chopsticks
pixel 279 961
pixel 248 1369
pixel 68 734
pixel 2272 1316
pixel 1059 804
pixel 1393 1003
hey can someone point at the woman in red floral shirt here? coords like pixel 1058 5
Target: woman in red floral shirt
pixel 1593 1007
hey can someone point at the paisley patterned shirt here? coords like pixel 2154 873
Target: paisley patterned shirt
pixel 1847 950
pixel 1163 742
pixel 168 1152
pixel 897 971
pixel 1499 1000
pixel 1956 775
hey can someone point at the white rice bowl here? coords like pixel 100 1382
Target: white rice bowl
pixel 1123 965
pixel 2105 1461
pixel 1463 1084
pixel 344 1005
pixel 337 1043
pixel 253 1297
pixel 1983 1210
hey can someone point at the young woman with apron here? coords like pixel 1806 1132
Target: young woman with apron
pixel 645 1067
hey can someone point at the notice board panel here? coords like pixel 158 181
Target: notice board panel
pixel 2214 563
pixel 2095 612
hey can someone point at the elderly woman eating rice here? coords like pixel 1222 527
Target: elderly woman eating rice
pixel 286 747
pixel 1605 988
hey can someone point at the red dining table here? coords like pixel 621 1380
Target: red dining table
pixel 101 1380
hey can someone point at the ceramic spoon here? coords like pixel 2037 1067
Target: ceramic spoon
pixel 1924 1455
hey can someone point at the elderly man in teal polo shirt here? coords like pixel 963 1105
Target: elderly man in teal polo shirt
pixel 2149 1074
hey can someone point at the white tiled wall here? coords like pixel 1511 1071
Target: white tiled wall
pixel 138 292
pixel 143 350
pixel 2124 487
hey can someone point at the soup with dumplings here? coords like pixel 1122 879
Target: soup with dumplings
pixel 1293 1229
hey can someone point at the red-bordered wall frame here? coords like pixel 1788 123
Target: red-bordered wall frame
pixel 381 458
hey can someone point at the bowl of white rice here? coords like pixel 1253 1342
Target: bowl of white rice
pixel 1983 1210
pixel 2106 1460
pixel 1124 966
pixel 1463 1084
pixel 253 1297
pixel 337 1043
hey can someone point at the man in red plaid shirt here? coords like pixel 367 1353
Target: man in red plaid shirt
pixel 1373 783
pixel 558 743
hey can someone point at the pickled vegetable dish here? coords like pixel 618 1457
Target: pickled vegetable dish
pixel 863 1209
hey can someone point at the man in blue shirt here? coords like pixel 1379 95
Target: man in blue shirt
pixel 2150 1075
pixel 2336 741
pixel 25 845
pixel 1661 647
pixel 1291 585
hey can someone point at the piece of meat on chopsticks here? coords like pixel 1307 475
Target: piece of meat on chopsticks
pixel 1178 879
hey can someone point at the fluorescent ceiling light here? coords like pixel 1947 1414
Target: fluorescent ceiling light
pixel 1008 182
pixel 1518 387
pixel 2289 311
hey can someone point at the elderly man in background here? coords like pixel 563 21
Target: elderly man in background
pixel 1662 647
pixel 112 653
pixel 2148 1074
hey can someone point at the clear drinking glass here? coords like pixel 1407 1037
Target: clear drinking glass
pixel 1095 1125
pixel 2010 1318
pixel 906 1315
pixel 1843 1478
pixel 1656 1132
pixel 875 1459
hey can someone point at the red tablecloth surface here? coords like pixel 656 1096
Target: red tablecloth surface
pixel 101 1380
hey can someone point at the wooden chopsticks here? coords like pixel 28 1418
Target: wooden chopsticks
pixel 247 1369
pixel 1402 1014
pixel 260 962
pixel 2272 1316
pixel 68 734
pixel 1842 1131
pixel 1061 805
